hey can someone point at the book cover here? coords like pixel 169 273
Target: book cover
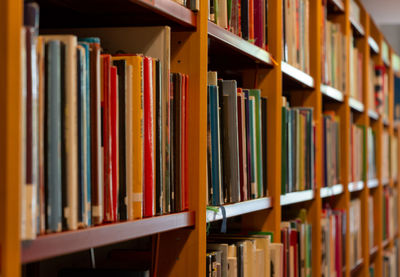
pixel 115 151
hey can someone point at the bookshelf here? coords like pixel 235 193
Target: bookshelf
pixel 198 45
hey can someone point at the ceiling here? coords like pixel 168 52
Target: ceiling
pixel 384 12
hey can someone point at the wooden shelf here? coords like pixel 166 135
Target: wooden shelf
pixel 57 244
pixel 373 45
pixel 336 6
pixel 385 122
pixel 331 191
pixel 358 29
pixel 332 93
pixel 297 197
pixel 356 186
pixel 240 208
pixel 357 266
pixel 115 13
pixel 223 38
pixel 385 243
pixel 385 182
pixel 373 251
pixel 372 183
pixel 356 105
pixel 301 78
pixel 373 114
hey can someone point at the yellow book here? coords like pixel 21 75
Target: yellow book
pixel 134 114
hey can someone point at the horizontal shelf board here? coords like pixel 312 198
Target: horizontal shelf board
pixel 297 75
pixel 75 13
pixel 356 186
pixel 240 45
pixel 331 191
pixel 385 182
pixel 372 183
pixel 332 93
pixel 357 266
pixel 240 208
pixel 373 251
pixel 57 244
pixel 337 5
pixel 373 45
pixel 385 122
pixel 373 114
pixel 385 243
pixel 356 105
pixel 359 30
pixel 297 197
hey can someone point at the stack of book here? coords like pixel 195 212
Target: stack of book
pixel 385 155
pixel 356 71
pixel 334 60
pixel 246 18
pixel 355 251
pixel 237 135
pixel 296 237
pixel 371 152
pixel 298 148
pixel 190 4
pixel 296 30
pixel 244 255
pixel 382 91
pixel 104 134
pixel 331 144
pixel 371 221
pixel 394 157
pixel 357 155
pixel 333 227
pixel 390 213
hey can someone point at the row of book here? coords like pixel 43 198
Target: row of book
pixel 385 155
pixel 396 102
pixel 298 148
pixel 390 213
pixel 355 229
pixel 333 228
pixel 237 136
pixel 356 71
pixel 390 264
pixel 244 255
pixel 371 153
pixel 381 91
pixel 331 144
pixel 357 153
pixel 104 134
pixel 296 30
pixel 334 57
pixel 245 18
pixel 371 222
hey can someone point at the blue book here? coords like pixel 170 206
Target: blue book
pixel 215 146
pixel 85 128
pixel 396 98
pixel 53 136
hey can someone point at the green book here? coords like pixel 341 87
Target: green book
pixel 256 93
pixel 254 182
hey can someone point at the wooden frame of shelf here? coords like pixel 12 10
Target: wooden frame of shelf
pixel 57 244
pixel 191 57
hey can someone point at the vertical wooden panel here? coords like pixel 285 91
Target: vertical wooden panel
pixel 10 164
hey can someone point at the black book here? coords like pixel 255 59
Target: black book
pixel 264 141
pixel 158 140
pixel 244 13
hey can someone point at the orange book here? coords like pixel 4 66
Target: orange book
pixel 134 140
pixel 251 20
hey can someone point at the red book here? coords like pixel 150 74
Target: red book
pixel 106 142
pixel 114 141
pixel 295 244
pixel 259 23
pixel 338 247
pixel 185 180
pixel 149 180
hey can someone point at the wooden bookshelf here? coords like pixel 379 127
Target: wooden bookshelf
pixel 240 208
pixel 57 244
pixel 198 45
